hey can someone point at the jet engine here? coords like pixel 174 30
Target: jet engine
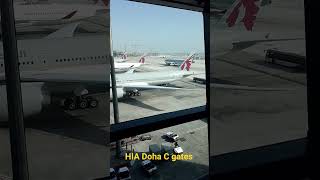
pixel 33 99
pixel 120 93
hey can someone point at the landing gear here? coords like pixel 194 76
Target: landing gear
pixel 70 104
pixel 134 93
pixel 92 102
pixel 80 102
pixel 83 104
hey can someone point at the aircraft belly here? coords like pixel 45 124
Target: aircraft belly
pixel 157 82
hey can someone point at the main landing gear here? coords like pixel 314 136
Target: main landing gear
pixel 80 102
pixel 134 93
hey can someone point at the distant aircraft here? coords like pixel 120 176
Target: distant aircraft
pixel 125 66
pixel 176 61
pixel 123 58
pixel 130 84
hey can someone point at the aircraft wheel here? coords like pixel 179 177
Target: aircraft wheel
pixel 83 104
pixel 138 94
pixel 93 103
pixel 70 104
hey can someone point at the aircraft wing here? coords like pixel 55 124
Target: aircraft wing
pixel 146 87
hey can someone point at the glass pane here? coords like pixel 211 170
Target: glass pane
pixel 5 149
pixel 165 50
pixel 64 49
pixel 189 139
pixel 258 57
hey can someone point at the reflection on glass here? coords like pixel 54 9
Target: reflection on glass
pixel 177 152
pixel 64 49
pixel 158 51
pixel 259 55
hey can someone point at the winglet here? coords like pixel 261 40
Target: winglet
pixel 187 62
pixel 64 32
pixel 130 71
pixel 70 15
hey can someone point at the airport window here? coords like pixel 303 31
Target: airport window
pixel 191 93
pixel 148 106
pixel 54 143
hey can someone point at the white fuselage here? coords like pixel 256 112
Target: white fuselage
pixel 43 54
pixel 124 67
pixel 151 78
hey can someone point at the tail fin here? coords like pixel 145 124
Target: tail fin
pixel 243 11
pixel 101 2
pixel 142 59
pixel 124 56
pixel 187 62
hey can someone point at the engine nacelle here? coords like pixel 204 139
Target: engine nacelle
pixel 33 100
pixel 120 93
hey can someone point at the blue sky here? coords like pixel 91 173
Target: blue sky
pixel 144 27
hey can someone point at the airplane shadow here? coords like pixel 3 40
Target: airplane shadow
pixel 289 69
pixel 135 102
pixel 56 121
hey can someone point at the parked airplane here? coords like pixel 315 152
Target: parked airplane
pixel 123 58
pixel 131 83
pixel 125 66
pixel 176 62
pixel 50 71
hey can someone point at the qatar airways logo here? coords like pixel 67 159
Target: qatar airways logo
pixel 251 11
pixel 187 64
pixel 141 60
